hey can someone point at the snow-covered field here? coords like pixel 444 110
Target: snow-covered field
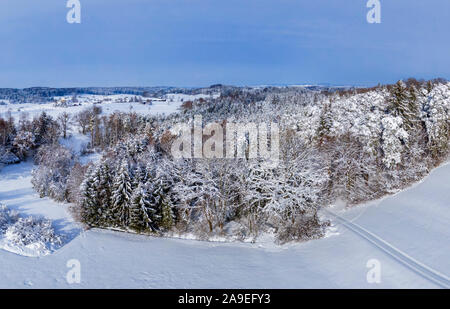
pixel 413 222
pixel 109 105
pixel 171 103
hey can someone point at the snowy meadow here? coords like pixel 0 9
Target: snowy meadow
pixel 82 175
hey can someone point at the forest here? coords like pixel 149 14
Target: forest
pixel 352 145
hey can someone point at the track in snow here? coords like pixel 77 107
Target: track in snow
pixel 419 268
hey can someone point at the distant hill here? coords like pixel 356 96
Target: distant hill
pixel 47 94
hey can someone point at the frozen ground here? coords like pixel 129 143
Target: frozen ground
pixel 409 227
pixel 109 105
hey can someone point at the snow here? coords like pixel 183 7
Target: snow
pixel 17 194
pixel 414 221
pixel 109 105
pixel 8 158
pixel 31 237
pixel 403 232
pixel 76 142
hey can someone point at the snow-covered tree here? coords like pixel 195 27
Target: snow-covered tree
pixel 167 217
pixel 23 142
pixel 121 193
pixel 436 116
pixel 142 212
pixel 394 138
pixel 54 165
pixel 403 103
pixel 89 211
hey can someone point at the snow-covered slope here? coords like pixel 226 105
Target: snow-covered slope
pixel 414 221
pixel 17 193
pixel 109 104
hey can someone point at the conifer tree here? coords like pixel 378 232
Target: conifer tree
pixel 325 124
pixel 89 203
pixel 167 215
pixel 121 195
pixel 104 187
pixel 404 104
pixel 142 211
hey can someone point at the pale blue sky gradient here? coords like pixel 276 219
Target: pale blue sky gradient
pixel 202 42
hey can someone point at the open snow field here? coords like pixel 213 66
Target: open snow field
pixel 413 224
pixel 109 104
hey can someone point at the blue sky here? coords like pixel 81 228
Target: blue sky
pixel 202 42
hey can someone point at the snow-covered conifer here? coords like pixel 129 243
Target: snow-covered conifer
pixel 142 210
pixel 121 194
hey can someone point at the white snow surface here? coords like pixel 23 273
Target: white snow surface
pixel 414 222
pixel 109 104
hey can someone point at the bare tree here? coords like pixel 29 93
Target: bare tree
pixel 63 120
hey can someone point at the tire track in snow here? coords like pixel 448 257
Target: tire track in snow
pixel 417 267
